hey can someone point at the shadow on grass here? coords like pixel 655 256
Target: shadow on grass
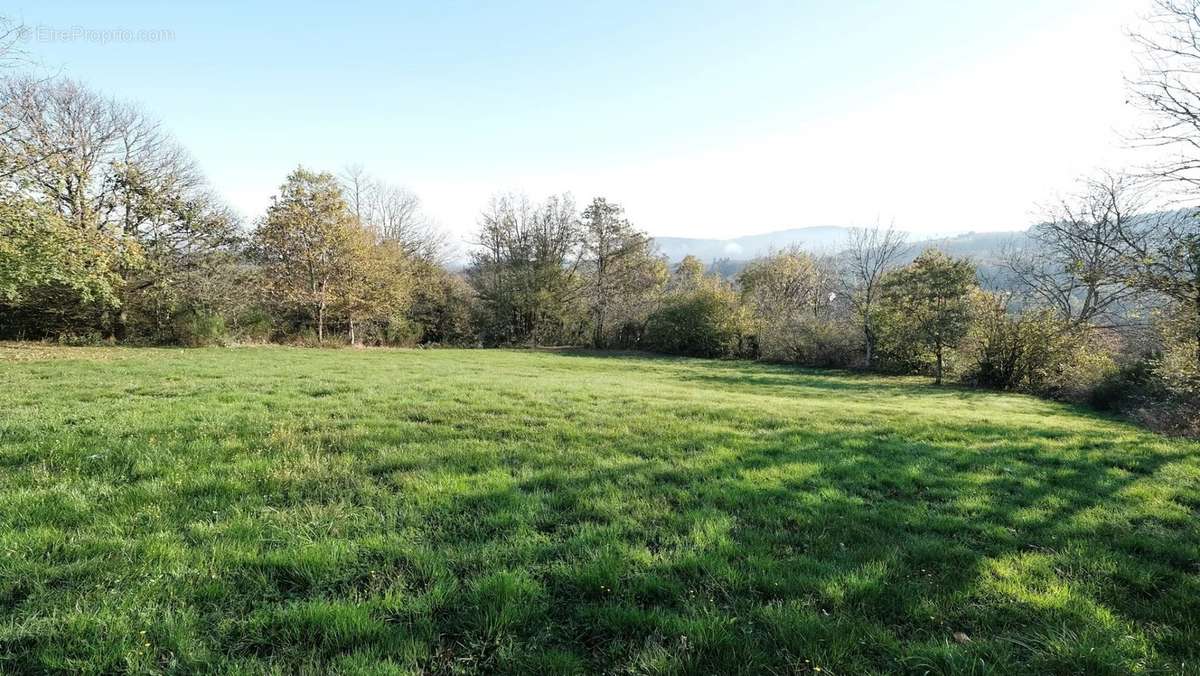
pixel 783 379
pixel 494 540
pixel 862 550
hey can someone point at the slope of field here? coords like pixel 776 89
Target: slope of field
pixel 285 510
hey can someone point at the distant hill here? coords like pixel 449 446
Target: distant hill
pixel 728 256
pixel 820 238
pixel 983 247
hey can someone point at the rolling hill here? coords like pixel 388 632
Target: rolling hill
pixel 821 239
pixel 731 255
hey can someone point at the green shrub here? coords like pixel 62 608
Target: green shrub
pixel 811 342
pixel 1178 363
pixel 199 329
pixel 1033 351
pixel 254 325
pixel 707 321
pixel 1126 386
pixel 393 332
pixel 82 339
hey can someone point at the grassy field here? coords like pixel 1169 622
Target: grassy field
pixel 286 510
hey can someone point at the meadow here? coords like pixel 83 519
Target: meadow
pixel 278 510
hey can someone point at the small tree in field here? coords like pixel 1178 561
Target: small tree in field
pixel 871 253
pixel 618 260
pixel 699 315
pixel 373 285
pixel 306 243
pixel 931 299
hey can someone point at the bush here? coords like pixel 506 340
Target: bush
pixel 1177 364
pixel 630 335
pixel 84 339
pixel 1033 351
pixel 1162 391
pixel 199 329
pixel 1126 387
pixel 1086 363
pixel 1139 391
pixel 895 352
pixel 1170 416
pixel 704 322
pixel 811 342
pixel 393 332
pixel 254 326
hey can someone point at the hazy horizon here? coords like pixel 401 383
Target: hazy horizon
pixel 702 121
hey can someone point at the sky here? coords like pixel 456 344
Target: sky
pixel 704 119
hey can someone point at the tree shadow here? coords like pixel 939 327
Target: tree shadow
pixel 519 534
pixel 781 379
pixel 857 547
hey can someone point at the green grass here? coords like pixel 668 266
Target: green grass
pixel 286 510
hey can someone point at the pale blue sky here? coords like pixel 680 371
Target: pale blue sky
pixel 705 118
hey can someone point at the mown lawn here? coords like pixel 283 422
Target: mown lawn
pixel 286 510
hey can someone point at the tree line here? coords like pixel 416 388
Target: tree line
pixel 109 232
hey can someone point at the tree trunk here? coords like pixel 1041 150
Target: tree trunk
pixel 1197 331
pixel 937 374
pixel 1196 322
pixel 869 339
pixel 321 322
pixel 598 331
pixel 601 299
pixel 352 343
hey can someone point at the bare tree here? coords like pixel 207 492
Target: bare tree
pixel 11 56
pixel 1163 254
pixel 355 186
pixel 103 164
pixel 61 122
pixel 1165 246
pixel 1076 262
pixel 11 34
pixel 870 254
pixel 1167 86
pixel 393 213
